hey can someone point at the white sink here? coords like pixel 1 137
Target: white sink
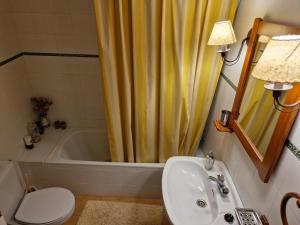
pixel 185 181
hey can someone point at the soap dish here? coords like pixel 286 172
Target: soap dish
pixel 247 217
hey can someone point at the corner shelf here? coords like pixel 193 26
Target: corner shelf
pixel 219 126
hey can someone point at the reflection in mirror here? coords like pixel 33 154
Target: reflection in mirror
pixel 258 116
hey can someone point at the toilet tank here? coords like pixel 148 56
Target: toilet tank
pixel 11 189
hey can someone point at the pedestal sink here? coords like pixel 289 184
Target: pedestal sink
pixel 190 198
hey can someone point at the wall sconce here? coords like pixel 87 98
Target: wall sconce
pixel 223 35
pixel 279 66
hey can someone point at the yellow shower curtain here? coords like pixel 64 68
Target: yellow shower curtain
pixel 158 74
pixel 258 115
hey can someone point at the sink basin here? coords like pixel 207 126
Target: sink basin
pixel 190 198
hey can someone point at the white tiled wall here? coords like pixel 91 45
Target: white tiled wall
pixel 14 89
pixel 74 86
pixel 9 45
pixel 62 26
pixel 254 193
pixel 55 25
pixel 16 111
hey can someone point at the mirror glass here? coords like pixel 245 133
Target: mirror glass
pixel 258 116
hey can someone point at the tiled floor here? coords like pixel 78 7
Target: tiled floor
pixel 81 200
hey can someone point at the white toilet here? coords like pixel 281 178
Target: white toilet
pixel 51 206
pixel 48 206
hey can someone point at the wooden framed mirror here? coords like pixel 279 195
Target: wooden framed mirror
pixel 261 128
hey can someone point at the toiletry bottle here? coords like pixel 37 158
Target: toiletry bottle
pixel 33 131
pixel 209 161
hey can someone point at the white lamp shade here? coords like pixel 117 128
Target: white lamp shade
pixel 280 61
pixel 222 34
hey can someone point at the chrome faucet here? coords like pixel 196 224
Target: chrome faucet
pixel 221 186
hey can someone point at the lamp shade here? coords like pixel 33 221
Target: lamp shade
pixel 280 61
pixel 222 34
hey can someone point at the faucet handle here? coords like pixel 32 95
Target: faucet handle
pixel 221 178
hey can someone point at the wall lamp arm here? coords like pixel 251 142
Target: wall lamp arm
pixel 278 104
pixel 235 60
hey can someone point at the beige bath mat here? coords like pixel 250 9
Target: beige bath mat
pixel 120 213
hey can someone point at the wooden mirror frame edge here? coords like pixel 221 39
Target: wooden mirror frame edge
pixel 265 165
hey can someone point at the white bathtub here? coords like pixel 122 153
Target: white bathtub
pixel 82 145
pixel 80 162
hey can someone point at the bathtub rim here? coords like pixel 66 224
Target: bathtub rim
pixel 101 163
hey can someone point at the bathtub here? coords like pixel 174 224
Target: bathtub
pixel 88 146
pixel 80 162
pixel 82 145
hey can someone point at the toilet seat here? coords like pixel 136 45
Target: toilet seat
pixel 46 206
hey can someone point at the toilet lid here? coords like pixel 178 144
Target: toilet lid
pixel 45 205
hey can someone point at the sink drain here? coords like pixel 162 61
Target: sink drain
pixel 201 203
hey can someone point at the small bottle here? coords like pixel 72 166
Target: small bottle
pixel 45 122
pixel 60 124
pixel 32 130
pixel 63 125
pixel 56 124
pixel 28 142
pixel 40 127
pixel 225 117
pixel 210 160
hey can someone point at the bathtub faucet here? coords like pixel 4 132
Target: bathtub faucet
pixel 221 186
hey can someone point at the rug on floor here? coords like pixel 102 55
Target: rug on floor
pixel 120 213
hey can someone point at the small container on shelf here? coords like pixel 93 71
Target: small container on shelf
pixel 28 142
pixel 223 123
pixel 225 116
pixel 33 131
pixel 60 124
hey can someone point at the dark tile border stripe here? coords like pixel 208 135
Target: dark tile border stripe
pixel 61 54
pixel 3 62
pixel 293 148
